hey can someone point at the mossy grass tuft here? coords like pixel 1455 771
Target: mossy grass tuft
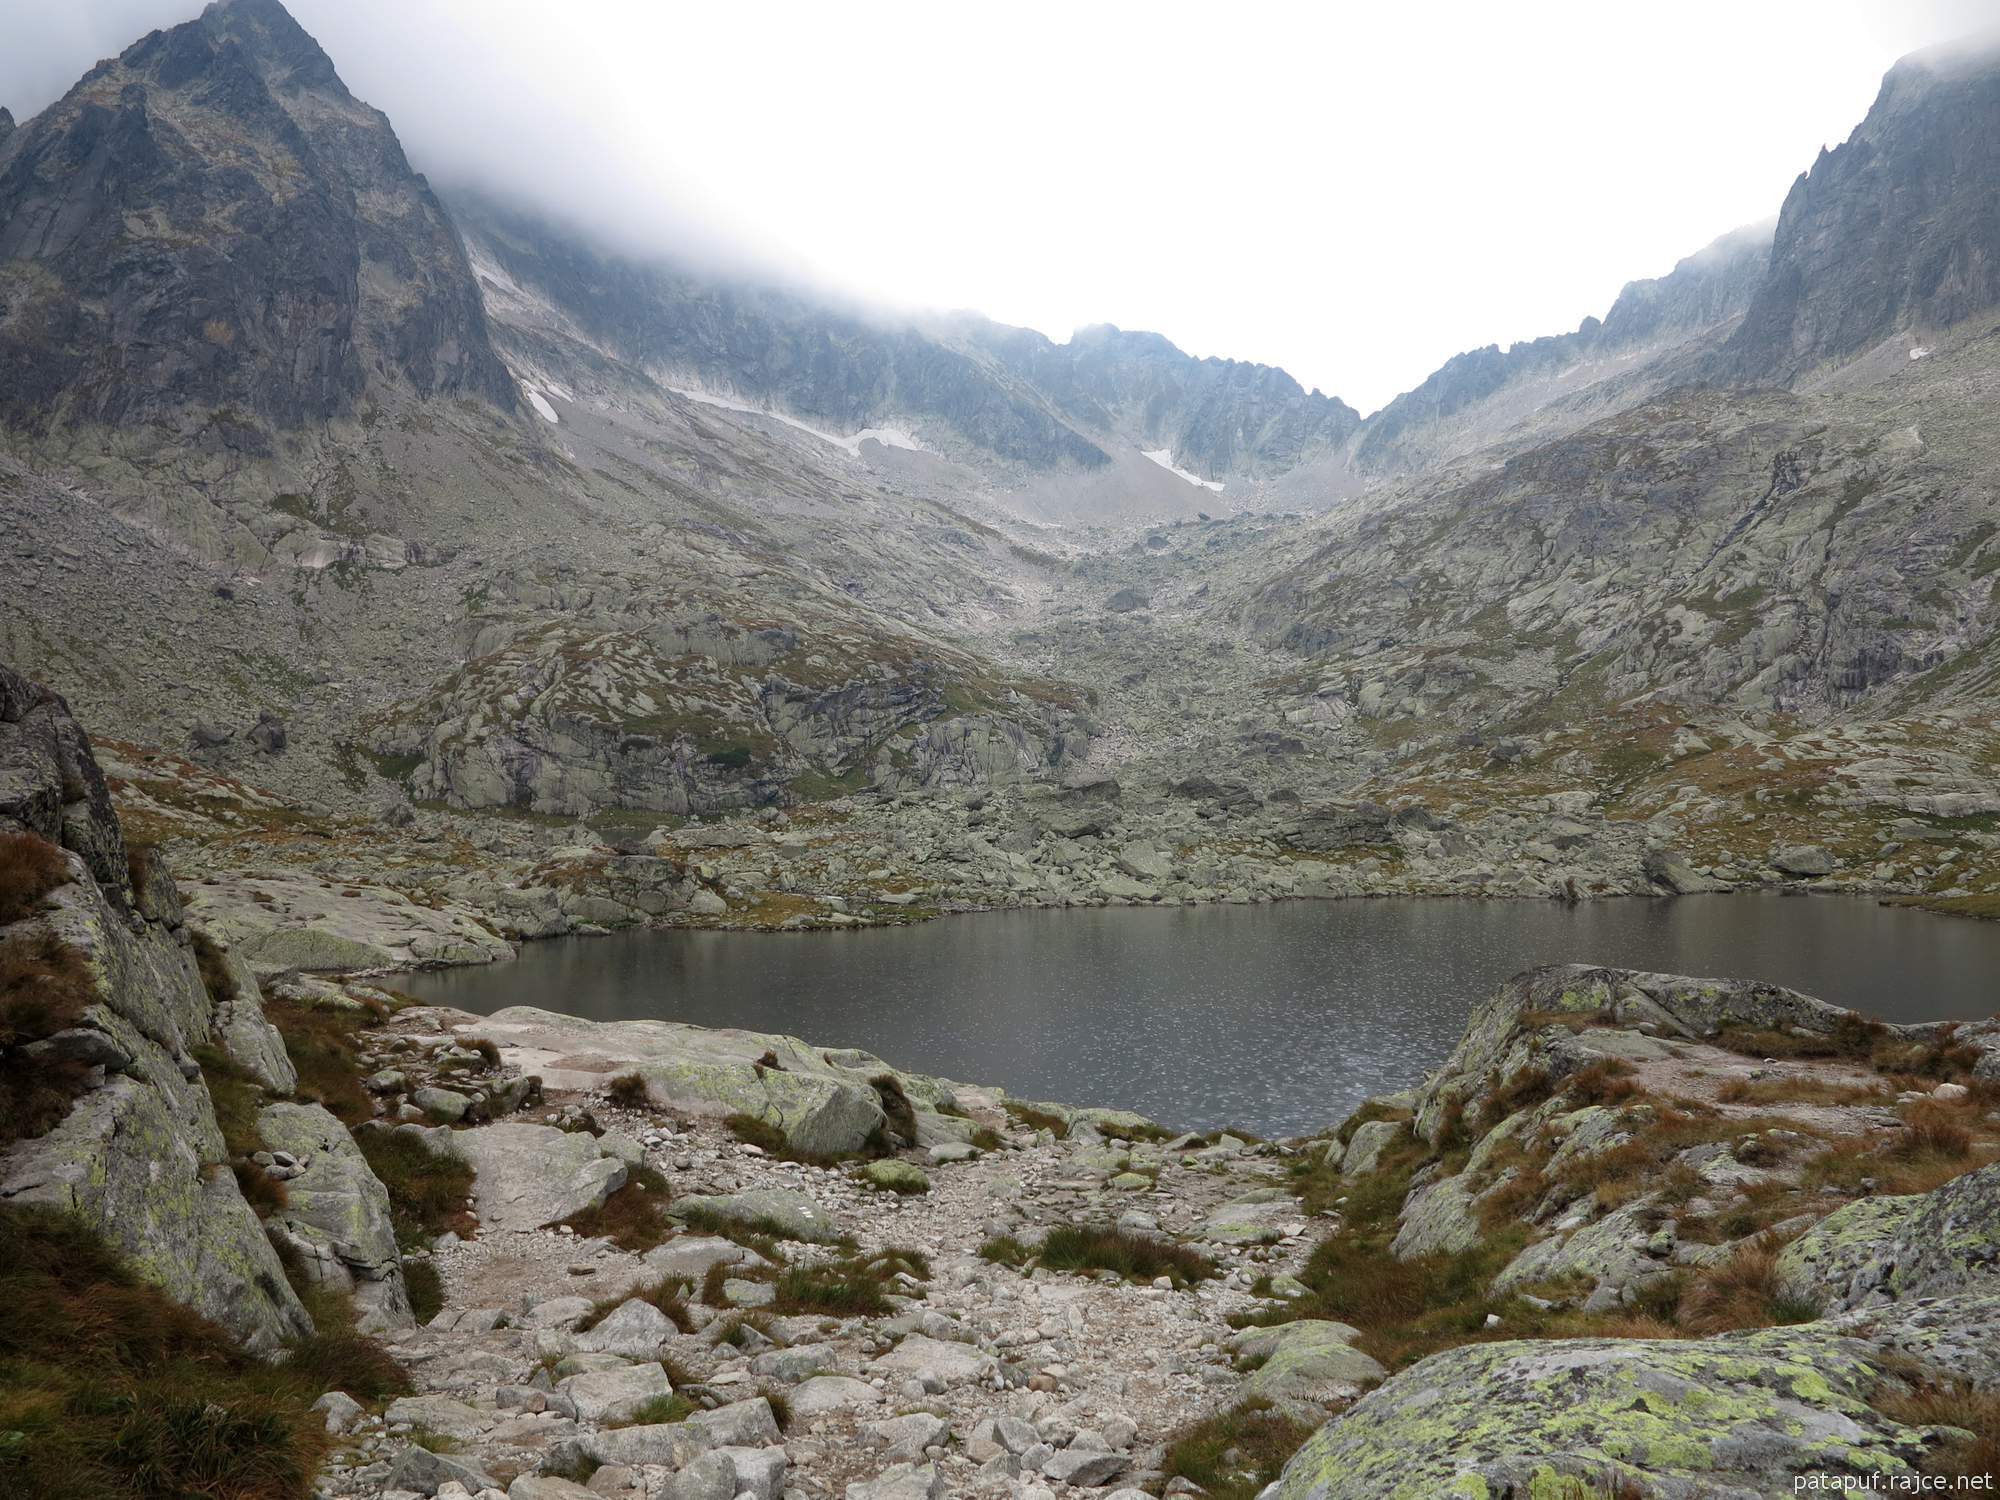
pixel 628 1091
pixel 321 1045
pixel 1036 1119
pixel 1234 1454
pixel 108 1388
pixel 1136 1257
pixel 634 1218
pixel 427 1189
pixel 30 868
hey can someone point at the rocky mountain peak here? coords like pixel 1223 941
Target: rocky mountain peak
pixel 1894 229
pixel 288 56
pixel 210 227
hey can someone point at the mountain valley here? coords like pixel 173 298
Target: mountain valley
pixel 394 573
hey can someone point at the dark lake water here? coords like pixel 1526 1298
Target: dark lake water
pixel 1276 1018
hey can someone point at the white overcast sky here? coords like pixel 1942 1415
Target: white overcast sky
pixel 1355 192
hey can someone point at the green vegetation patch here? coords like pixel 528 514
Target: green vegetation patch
pixel 110 1390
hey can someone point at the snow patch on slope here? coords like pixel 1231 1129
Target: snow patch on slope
pixel 1164 457
pixel 888 437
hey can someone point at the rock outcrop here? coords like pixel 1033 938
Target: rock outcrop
pixel 336 1214
pixel 139 1155
pixel 332 259
pixel 823 1101
pixel 1663 1420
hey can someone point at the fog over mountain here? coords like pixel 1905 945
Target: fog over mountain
pixel 888 159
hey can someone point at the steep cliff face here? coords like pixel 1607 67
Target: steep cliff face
pixel 1897 228
pixel 1547 385
pixel 835 369
pixel 968 385
pixel 139 1153
pixel 211 231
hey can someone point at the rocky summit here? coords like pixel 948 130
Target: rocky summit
pixel 393 574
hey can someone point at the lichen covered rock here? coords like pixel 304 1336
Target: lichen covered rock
pixel 1936 1244
pixel 1743 1414
pixel 336 1214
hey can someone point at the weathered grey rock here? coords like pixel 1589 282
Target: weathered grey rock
pixel 691 1256
pixel 437 1414
pixel 1943 1243
pixel 617 1394
pixel 1745 1414
pixel 418 1469
pixel 896 1176
pixel 447 1105
pixel 246 1034
pixel 308 924
pixel 1084 1469
pixel 907 1437
pixel 336 1214
pixel 341 1410
pixel 759 1472
pixel 635 1329
pixel 1307 1365
pixel 789 1214
pixel 1803 859
pixel 134 1156
pixel 528 1176
pixel 821 1106
pixel 900 1482
pixel 1441 1217
pixel 1250 1219
pixel 792 1365
pixel 1365 1147
pixel 548 1487
pixel 831 1393
pixel 711 1476
pixel 1613 1253
pixel 1670 870
pixel 944 1362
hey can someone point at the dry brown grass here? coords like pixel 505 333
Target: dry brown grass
pixel 1609 1080
pixel 1802 1090
pixel 1931 1131
pixel 321 1045
pixel 30 868
pixel 1235 1453
pixel 45 987
pixel 1853 1037
pixel 634 1218
pixel 110 1389
pixel 1927 1403
pixel 1573 1021
pixel 628 1091
pixel 1742 1292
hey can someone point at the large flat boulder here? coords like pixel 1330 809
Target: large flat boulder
pixel 530 1176
pixel 279 921
pixel 1306 1365
pixel 1740 1415
pixel 822 1106
pixel 788 1214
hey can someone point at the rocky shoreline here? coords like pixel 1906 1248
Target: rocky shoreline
pixel 1639 1235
